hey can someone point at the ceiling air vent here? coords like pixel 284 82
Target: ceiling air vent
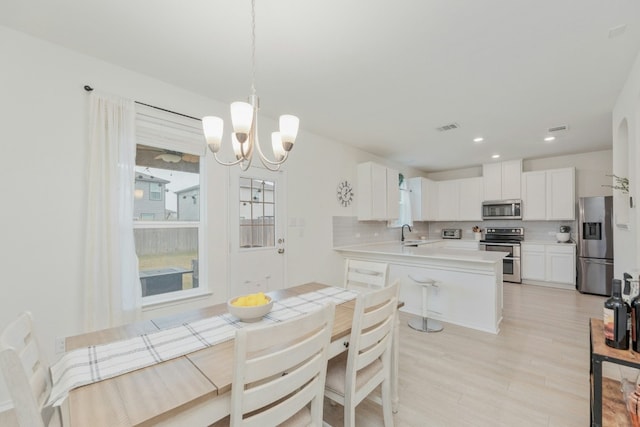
pixel 562 128
pixel 450 126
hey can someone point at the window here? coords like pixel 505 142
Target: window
pixel 155 191
pixel 168 205
pixel 257 213
pixel 405 206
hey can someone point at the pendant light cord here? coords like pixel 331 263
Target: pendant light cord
pixel 253 47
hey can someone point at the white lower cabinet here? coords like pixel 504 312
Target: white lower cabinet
pixel 532 261
pixel 561 263
pixel 549 262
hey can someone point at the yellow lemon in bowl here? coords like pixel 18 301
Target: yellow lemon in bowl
pixel 251 300
pixel 250 308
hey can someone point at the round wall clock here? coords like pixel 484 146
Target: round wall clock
pixel 345 193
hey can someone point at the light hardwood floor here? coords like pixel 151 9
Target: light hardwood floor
pixel 534 373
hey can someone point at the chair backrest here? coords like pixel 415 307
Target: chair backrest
pixel 365 274
pixel 371 338
pixel 280 368
pixel 25 372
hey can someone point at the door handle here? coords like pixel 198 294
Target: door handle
pixel 597 261
pixel 280 250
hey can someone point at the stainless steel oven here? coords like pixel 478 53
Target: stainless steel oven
pixel 506 240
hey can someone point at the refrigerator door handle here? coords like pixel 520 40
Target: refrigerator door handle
pixel 597 261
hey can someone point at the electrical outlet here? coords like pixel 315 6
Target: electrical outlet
pixel 60 345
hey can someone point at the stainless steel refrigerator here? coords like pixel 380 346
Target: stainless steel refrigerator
pixel 595 245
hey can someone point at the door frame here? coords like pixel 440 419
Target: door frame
pixel 235 253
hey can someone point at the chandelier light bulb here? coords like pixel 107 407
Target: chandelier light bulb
pixel 288 130
pixel 277 145
pixel 213 127
pixel 241 118
pixel 237 148
pixel 244 119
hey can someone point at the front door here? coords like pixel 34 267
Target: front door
pixel 257 258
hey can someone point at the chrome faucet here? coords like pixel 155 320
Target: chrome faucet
pixel 403 226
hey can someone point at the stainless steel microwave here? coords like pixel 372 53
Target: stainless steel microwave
pixel 502 209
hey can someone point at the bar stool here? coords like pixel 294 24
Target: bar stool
pixel 424 324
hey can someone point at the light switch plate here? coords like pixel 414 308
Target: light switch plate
pixel 60 345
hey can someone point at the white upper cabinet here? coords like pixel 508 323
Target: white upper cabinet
pixel 471 196
pixel 393 194
pixel 378 194
pixel 549 195
pixel 534 195
pixel 501 181
pixel 561 194
pixel 460 200
pixel 448 200
pixel 424 199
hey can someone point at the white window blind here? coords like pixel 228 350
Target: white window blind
pixel 170 131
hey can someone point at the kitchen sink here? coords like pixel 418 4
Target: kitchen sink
pixel 413 243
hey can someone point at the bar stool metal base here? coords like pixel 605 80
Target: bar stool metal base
pixel 424 324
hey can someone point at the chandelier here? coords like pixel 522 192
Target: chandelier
pixel 244 119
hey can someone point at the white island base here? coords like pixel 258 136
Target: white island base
pixel 468 289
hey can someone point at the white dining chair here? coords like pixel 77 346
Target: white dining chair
pixel 365 275
pixel 367 364
pixel 279 371
pixel 26 374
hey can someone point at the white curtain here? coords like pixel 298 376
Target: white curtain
pixel 113 295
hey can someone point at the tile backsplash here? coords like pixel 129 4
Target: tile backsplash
pixel 539 231
pixel 347 230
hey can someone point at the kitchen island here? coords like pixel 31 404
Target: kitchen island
pixel 468 291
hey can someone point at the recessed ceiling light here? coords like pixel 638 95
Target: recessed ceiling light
pixel 550 138
pixel 479 139
pixel 495 156
pixel 617 31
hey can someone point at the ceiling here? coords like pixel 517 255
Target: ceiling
pixel 381 75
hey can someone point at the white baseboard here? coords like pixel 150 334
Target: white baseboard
pixel 550 284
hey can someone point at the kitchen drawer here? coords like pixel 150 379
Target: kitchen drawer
pixel 561 248
pixel 532 247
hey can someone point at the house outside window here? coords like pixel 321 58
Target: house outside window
pixel 148 202
pixel 168 210
pixel 155 191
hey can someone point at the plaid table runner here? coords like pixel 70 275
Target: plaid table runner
pixel 100 362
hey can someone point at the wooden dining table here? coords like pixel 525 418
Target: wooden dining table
pixel 191 390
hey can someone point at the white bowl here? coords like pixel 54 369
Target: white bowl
pixel 249 314
pixel 562 237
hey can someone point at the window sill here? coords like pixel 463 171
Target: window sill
pixel 168 300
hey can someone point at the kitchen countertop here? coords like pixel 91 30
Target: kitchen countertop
pixel 428 249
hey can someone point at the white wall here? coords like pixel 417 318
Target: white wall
pixel 626 161
pixel 43 174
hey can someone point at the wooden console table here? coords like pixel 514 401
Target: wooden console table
pixel 606 398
